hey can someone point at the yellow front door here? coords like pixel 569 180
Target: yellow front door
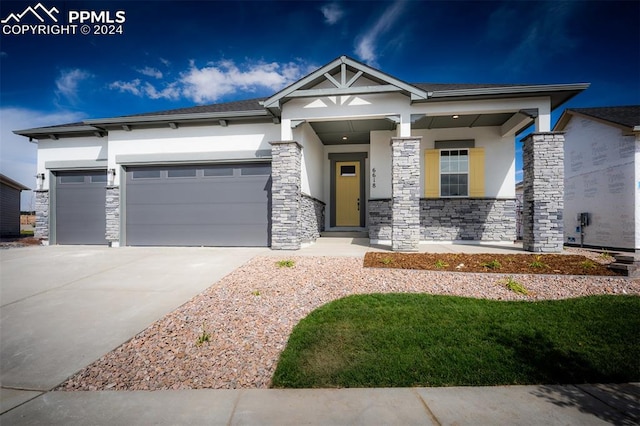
pixel 347 193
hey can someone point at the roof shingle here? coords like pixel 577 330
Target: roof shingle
pixel 623 115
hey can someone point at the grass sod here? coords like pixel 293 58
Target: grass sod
pixel 403 340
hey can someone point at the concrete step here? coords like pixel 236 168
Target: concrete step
pixel 625 258
pixel 631 270
pixel 345 234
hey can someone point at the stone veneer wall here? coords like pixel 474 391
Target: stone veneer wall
pixel 405 194
pixel 286 179
pixel 42 215
pixel 474 219
pixel 112 233
pixel 379 219
pixel 311 218
pixel 543 209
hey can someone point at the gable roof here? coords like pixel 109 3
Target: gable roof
pixel 624 117
pixel 305 86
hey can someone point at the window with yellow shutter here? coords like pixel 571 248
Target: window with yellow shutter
pixel 453 173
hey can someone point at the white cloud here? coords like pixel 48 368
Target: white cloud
pixel 68 82
pixel 171 92
pixel 150 72
pixel 216 80
pixel 3 54
pixel 132 86
pixel 332 13
pixel 17 155
pixel 166 62
pixel 367 45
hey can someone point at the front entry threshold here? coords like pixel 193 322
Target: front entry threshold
pixel 345 232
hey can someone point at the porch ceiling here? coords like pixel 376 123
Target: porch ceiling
pixel 357 131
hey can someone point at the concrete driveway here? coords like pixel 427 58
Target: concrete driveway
pixel 63 307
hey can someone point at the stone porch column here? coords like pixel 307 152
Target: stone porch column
pixel 405 193
pixel 112 206
pixel 543 164
pixel 42 215
pixel 286 177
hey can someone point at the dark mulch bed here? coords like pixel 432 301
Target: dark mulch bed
pixel 560 264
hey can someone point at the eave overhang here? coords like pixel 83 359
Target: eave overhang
pixel 558 93
pixel 12 183
pixel 178 118
pixel 53 132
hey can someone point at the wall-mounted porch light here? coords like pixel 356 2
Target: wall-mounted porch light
pixel 40 181
pixel 111 176
pixel 455 117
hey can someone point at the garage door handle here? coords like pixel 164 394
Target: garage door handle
pixel 358 204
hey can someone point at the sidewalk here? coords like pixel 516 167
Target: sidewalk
pixel 513 405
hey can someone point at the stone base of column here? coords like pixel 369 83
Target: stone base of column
pixel 286 180
pixel 405 192
pixel 543 200
pixel 112 206
pixel 42 216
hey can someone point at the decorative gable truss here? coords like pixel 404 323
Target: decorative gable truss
pixel 341 77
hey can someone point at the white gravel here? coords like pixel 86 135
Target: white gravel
pixel 250 313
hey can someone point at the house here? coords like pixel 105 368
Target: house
pixel 347 147
pixel 10 206
pixel 602 176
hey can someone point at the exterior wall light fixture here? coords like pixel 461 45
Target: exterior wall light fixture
pixel 40 181
pixel 111 176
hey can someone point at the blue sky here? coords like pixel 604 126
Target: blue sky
pixel 176 54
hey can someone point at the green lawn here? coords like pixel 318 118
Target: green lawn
pixel 423 340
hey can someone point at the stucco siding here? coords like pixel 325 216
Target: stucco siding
pixel 191 140
pixel 69 150
pixel 312 160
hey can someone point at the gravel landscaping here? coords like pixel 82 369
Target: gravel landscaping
pixel 231 335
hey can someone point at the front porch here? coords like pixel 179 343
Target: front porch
pixel 407 219
pixel 358 246
pixel 425 162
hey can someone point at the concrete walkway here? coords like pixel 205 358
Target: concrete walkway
pixel 344 246
pixel 62 307
pixel 512 405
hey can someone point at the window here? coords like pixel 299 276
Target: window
pixel 218 171
pixel 146 174
pixel 72 179
pixel 347 170
pixel 182 172
pixel 101 178
pixel 255 170
pixel 454 173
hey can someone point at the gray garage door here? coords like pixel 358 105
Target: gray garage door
pixel 203 205
pixel 80 207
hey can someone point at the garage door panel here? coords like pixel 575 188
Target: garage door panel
pixel 198 193
pixel 80 207
pixel 218 207
pixel 202 235
pixel 196 214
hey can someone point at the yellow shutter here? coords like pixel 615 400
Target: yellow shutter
pixel 476 172
pixel 432 173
